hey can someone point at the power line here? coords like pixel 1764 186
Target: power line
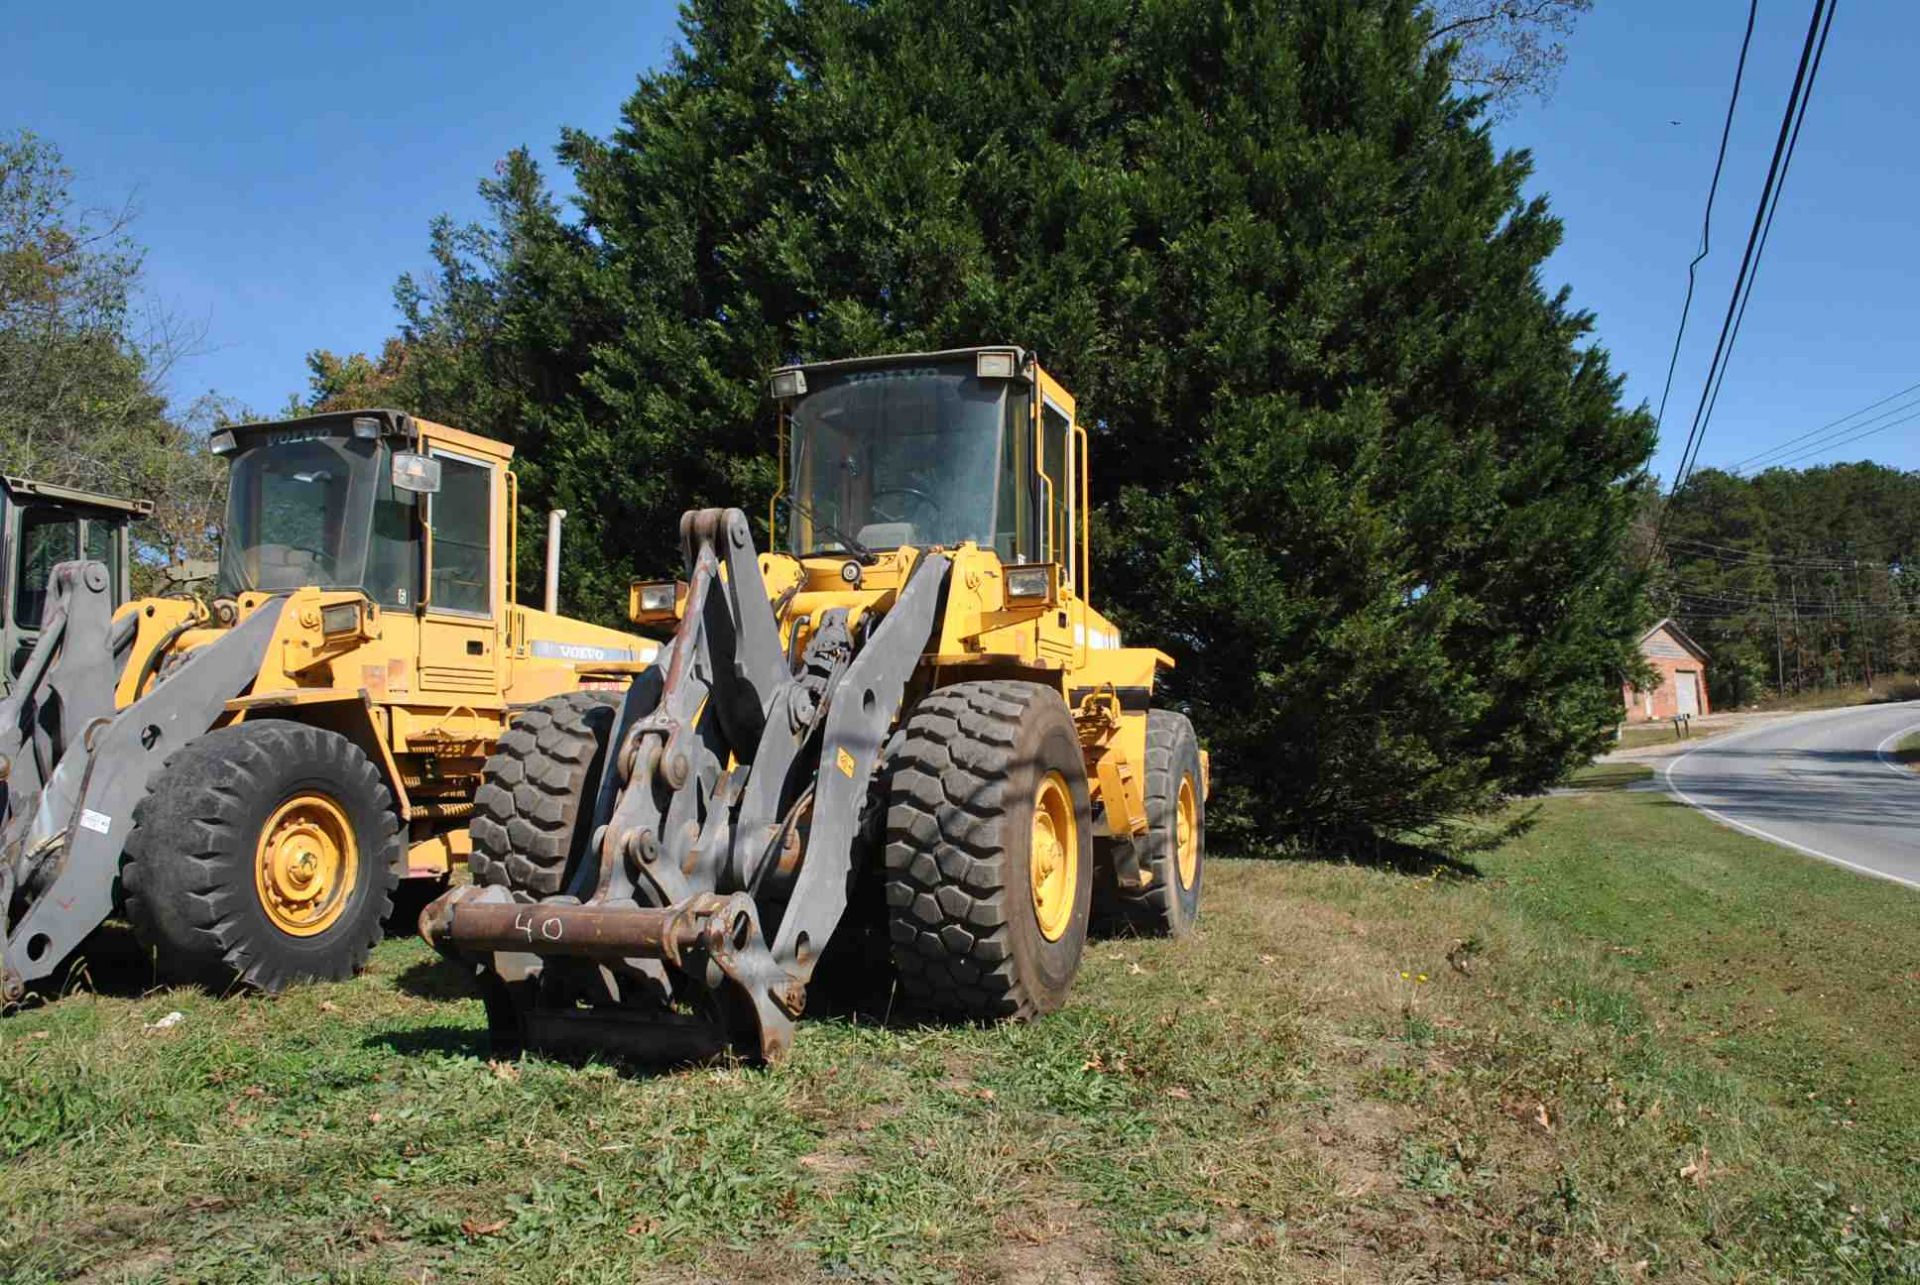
pixel 1740 465
pixel 1726 553
pixel 1822 448
pixel 1706 220
pixel 1766 230
pixel 1749 259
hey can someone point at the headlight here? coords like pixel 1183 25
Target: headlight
pixel 789 383
pixel 222 442
pixel 342 618
pixel 1031 584
pixel 653 603
pixel 994 365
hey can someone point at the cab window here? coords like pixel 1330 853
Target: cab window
pixel 102 544
pixel 1013 526
pixel 1057 487
pixel 462 516
pixel 46 539
pixel 393 550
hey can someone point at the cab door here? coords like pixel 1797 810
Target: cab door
pixel 459 636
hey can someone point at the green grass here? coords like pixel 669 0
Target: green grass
pixel 1609 776
pixel 1634 1045
pixel 1638 736
pixel 1907 750
pixel 1888 687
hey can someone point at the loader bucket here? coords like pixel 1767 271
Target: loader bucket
pixel 689 928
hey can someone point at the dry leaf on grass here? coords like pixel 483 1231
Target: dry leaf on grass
pixel 475 1230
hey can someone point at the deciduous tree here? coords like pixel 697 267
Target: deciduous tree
pixel 82 362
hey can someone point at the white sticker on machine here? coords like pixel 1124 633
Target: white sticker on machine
pixel 98 822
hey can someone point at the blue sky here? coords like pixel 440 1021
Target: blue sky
pixel 286 165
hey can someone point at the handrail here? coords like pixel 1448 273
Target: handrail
pixel 513 539
pixel 1086 514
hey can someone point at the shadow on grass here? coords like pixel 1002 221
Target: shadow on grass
pixel 447 1041
pixel 1394 856
pixel 437 979
pixel 109 962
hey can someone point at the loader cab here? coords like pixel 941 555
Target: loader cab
pixel 932 449
pixel 406 511
pixel 42 525
pixel 415 515
pixel 315 503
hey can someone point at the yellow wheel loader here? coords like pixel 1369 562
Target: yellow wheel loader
pixel 906 730
pixel 249 780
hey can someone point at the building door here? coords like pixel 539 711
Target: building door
pixel 1688 684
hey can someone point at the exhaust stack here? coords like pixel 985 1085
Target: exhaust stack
pixel 551 603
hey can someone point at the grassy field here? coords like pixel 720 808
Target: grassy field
pixel 1889 687
pixel 1628 1045
pixel 1907 750
pixel 1610 776
pixel 1639 736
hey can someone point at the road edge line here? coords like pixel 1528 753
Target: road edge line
pixel 1900 770
pixel 1754 830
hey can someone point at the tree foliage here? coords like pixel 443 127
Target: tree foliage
pixel 1355 469
pixel 1795 578
pixel 82 363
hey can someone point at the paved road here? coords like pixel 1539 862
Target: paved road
pixel 1821 784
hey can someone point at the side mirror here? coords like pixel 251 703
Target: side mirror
pixel 417 473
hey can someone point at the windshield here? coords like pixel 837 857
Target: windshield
pixel 305 508
pixel 894 456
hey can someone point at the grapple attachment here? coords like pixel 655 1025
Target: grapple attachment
pixel 723 830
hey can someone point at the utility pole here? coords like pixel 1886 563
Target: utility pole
pixel 1860 626
pixel 1779 648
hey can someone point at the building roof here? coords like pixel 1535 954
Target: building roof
pixel 1672 626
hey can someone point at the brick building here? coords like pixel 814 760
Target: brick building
pixel 1682 670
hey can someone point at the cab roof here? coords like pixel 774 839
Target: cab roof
pixel 22 490
pixel 1021 358
pixel 396 424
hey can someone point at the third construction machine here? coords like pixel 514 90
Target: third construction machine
pixel 248 779
pixel 908 726
pixel 41 526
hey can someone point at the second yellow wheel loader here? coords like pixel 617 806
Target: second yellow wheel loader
pixel 908 728
pixel 250 780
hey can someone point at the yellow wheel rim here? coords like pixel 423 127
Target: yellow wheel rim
pixel 1053 859
pixel 306 865
pixel 1186 833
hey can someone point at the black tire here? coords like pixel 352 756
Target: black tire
pixel 528 829
pixel 962 792
pixel 192 892
pixel 1169 905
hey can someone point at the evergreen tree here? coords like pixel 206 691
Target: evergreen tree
pixel 1355 469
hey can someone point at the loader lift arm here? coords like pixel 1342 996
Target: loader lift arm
pixel 61 846
pixel 725 755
